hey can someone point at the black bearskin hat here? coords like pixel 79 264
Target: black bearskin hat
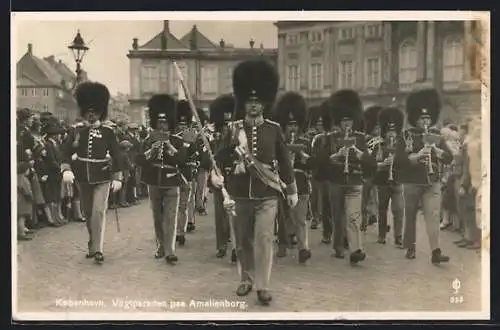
pixel 221 110
pixel 162 106
pixel 370 118
pixel 24 113
pixel 423 102
pixel 52 126
pixel 346 103
pixel 291 107
pixel 255 78
pixel 325 115
pixel 92 95
pixel 390 119
pixel 184 114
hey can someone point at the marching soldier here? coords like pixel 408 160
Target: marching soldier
pixel 221 112
pixel 160 167
pixel 91 158
pixel 369 200
pixel 260 172
pixel 352 162
pixel 188 170
pixel 315 127
pixel 291 114
pixel 322 172
pixel 425 152
pixel 203 170
pixel 386 178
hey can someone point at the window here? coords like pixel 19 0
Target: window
pixel 209 79
pixel 373 72
pixel 229 80
pixel 316 36
pixel 316 77
pixel 373 31
pixel 175 79
pixel 45 92
pixel 45 107
pixel 453 60
pixel 24 91
pixel 346 74
pixel 150 79
pixel 292 39
pixel 347 33
pixel 293 78
pixel 407 64
pixel 34 92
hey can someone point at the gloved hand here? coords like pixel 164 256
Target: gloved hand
pixel 292 200
pixel 116 185
pixel 217 180
pixel 44 178
pixel 68 177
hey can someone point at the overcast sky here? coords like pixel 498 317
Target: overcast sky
pixel 110 41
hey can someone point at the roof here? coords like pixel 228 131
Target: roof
pixel 38 70
pixel 199 39
pixel 156 42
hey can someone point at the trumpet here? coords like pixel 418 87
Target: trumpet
pixel 427 144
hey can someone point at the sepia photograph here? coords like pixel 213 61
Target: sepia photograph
pixel 250 165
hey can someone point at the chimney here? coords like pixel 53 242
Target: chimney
pixel 222 43
pixel 135 43
pixel 60 61
pixel 30 49
pixel 166 27
pixel 193 42
pixel 252 43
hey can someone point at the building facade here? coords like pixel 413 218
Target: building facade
pixel 46 85
pixel 206 67
pixel 383 61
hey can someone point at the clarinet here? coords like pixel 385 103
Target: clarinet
pixel 391 146
pixel 346 160
pixel 430 170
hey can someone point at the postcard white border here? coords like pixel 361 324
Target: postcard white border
pixel 270 16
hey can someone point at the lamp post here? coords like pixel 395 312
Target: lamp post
pixel 79 49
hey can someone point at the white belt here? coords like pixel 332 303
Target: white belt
pixel 90 160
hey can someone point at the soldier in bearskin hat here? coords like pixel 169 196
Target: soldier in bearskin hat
pixel 262 173
pixel 185 132
pixel 160 163
pixel 291 114
pixel 386 178
pixel 201 190
pixel 322 171
pixel 426 152
pixel 351 161
pixel 369 200
pixel 90 156
pixel 221 112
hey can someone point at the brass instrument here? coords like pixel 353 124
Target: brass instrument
pixel 373 143
pixel 297 148
pixel 164 138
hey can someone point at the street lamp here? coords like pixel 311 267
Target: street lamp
pixel 79 49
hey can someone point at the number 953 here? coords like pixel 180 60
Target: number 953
pixel 456 299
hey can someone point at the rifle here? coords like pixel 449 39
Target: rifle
pixel 228 202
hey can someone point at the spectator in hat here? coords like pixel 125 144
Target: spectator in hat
pixel 24 201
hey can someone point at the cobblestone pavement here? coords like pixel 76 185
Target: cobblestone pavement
pixel 53 267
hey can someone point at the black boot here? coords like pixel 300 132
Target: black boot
pixel 234 258
pixel 181 240
pixel 221 253
pixel 98 258
pixel 160 253
pixel 410 253
pixel 190 227
pixel 398 241
pixel 243 289
pixel 357 256
pixel 171 259
pixel 304 255
pixel 438 257
pixel 264 297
